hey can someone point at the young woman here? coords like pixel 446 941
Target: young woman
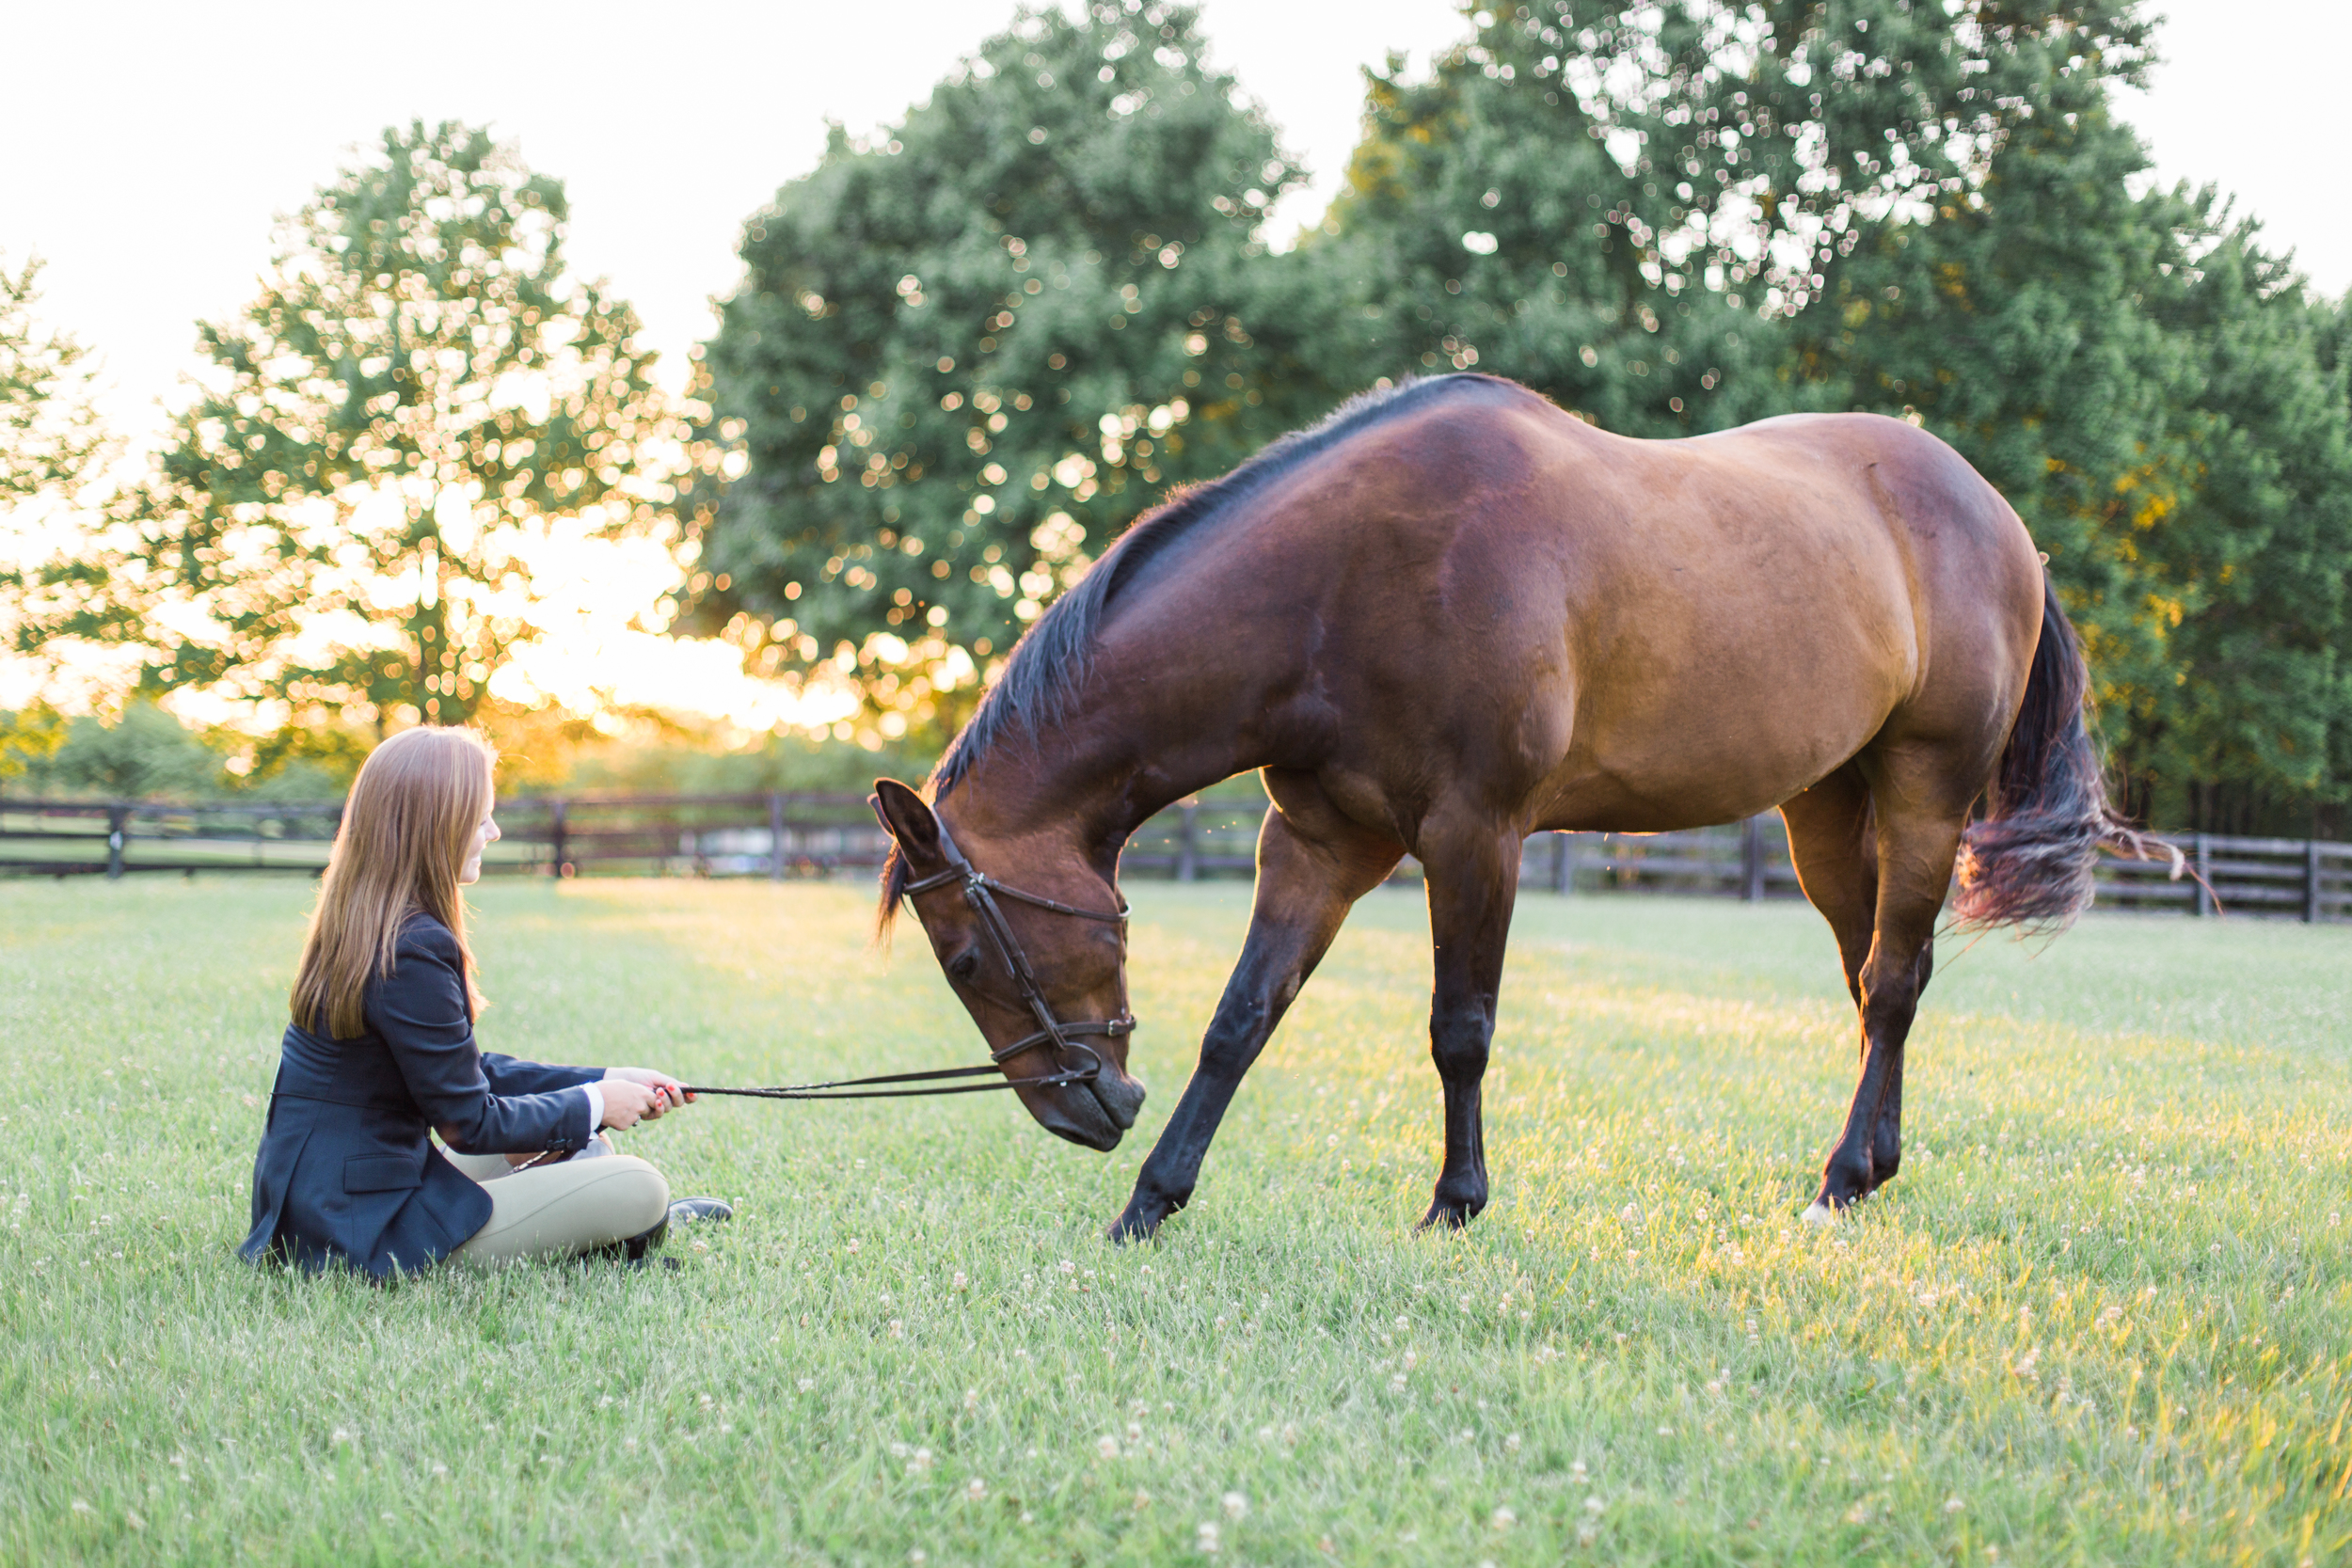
pixel 381 1049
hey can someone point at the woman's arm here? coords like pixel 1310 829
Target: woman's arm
pixel 419 1012
pixel 514 1075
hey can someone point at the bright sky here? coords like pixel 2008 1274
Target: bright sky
pixel 147 150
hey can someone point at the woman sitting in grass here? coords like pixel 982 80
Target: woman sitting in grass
pixel 381 1049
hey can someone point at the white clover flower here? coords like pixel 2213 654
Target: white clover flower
pixel 1953 1505
pixel 920 1463
pixel 1235 1505
pixel 1208 1537
pixel 1106 1446
pixel 1511 1443
pixel 976 1489
pixel 807 1383
pixel 1504 1518
pixel 960 1282
pixel 971 1398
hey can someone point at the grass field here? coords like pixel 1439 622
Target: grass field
pixel 2101 1317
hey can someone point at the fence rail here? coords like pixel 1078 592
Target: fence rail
pixel 783 835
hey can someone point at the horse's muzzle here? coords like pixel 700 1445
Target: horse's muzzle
pixel 1093 1115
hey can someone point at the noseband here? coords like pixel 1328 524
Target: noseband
pixel 981 891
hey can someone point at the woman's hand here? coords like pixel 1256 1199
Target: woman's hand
pixel 626 1104
pixel 664 1093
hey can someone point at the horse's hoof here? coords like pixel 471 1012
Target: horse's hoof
pixel 1132 1227
pixel 1447 1216
pixel 1820 1216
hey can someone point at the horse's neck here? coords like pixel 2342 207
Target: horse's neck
pixel 1096 775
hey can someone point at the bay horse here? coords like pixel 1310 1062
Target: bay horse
pixel 1454 614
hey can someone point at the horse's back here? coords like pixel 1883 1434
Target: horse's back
pixel 1644 634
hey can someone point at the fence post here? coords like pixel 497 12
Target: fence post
pixel 1188 846
pixel 1751 862
pixel 2203 896
pixel 556 835
pixel 1562 865
pixel 2311 882
pixel 775 836
pixel 118 822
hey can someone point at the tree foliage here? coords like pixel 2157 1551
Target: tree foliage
pixel 970 351
pixel 421 391
pixel 966 358
pixel 967 355
pixel 51 438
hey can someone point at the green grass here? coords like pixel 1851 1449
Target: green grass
pixel 2101 1317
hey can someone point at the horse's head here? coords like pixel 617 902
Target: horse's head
pixel 1034 944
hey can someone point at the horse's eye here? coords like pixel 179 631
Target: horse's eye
pixel 964 965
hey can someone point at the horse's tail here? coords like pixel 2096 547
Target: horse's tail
pixel 2028 861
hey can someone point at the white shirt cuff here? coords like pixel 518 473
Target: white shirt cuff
pixel 595 1107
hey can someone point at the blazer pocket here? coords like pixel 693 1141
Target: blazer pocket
pixel 382 1173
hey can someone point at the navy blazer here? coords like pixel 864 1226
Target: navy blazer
pixel 345 1171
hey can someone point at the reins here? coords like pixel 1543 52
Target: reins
pixel 980 892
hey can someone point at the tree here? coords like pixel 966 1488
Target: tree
pixel 51 440
pixel 52 447
pixel 420 391
pixel 965 355
pixel 2142 383
pixel 1678 218
pixel 1500 230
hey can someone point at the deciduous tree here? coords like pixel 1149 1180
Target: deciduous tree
pixel 971 351
pixel 421 391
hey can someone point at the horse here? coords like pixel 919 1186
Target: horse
pixel 1453 614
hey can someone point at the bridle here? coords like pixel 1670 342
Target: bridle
pixel 981 892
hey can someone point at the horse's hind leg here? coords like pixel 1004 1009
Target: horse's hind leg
pixel 1918 823
pixel 1830 833
pixel 1473 881
pixel 1313 865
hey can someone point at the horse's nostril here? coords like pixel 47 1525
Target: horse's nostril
pixel 1121 1096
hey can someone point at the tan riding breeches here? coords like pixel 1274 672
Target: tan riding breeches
pixel 556 1211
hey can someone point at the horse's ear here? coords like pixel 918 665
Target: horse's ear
pixel 907 820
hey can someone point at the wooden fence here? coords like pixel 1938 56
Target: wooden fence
pixel 799 835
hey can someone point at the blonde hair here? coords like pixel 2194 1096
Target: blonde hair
pixel 408 826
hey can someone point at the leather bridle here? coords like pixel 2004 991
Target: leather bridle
pixel 981 893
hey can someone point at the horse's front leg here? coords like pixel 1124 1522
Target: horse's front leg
pixel 1313 865
pixel 1473 881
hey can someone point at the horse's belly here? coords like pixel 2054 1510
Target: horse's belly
pixel 1685 747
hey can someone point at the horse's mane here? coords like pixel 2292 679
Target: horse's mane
pixel 1049 665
